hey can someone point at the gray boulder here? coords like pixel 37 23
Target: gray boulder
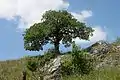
pixel 100 47
pixel 53 69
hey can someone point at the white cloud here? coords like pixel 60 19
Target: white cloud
pixel 30 11
pixel 83 15
pixel 8 9
pixel 98 34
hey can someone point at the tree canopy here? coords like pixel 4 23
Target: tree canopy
pixel 55 27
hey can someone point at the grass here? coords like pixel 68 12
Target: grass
pixel 102 74
pixel 110 71
pixel 12 70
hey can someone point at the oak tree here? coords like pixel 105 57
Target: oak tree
pixel 55 27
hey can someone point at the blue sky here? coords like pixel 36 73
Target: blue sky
pixel 106 13
pixel 102 15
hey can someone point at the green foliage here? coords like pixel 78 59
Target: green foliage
pixel 83 63
pixel 36 64
pixel 32 64
pixel 12 70
pixel 75 48
pixel 117 41
pixel 46 57
pixel 101 74
pixel 55 26
pixel 78 62
pixel 66 65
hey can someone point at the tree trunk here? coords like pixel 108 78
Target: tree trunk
pixel 57 52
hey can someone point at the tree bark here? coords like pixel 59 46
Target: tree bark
pixel 57 52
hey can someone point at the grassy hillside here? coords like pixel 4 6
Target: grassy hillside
pixel 11 70
pixel 102 74
pixel 109 69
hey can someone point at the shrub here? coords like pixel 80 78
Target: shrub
pixel 36 65
pixel 82 62
pixel 78 62
pixel 32 65
pixel 49 55
pixel 66 65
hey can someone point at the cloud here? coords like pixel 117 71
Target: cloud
pixel 8 9
pixel 98 34
pixel 83 15
pixel 29 11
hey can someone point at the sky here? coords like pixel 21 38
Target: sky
pixel 17 15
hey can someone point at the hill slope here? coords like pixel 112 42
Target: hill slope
pixel 11 70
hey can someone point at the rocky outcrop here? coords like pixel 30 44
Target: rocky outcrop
pixel 106 54
pixel 100 47
pixel 111 60
pixel 53 69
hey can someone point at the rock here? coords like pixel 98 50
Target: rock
pixel 100 47
pixel 56 64
pixel 53 69
pixel 111 60
pixel 107 54
pixel 118 47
